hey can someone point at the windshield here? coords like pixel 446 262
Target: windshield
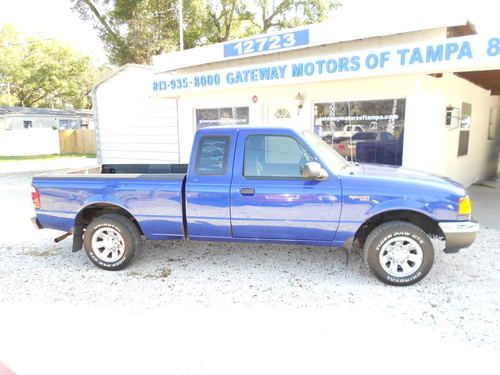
pixel 328 155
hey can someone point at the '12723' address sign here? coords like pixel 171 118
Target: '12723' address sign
pixel 267 43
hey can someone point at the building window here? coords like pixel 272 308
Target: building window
pixel 28 124
pixel 343 126
pixel 452 117
pixel 465 126
pixel 221 116
pixel 281 113
pixel 492 123
pixel 69 123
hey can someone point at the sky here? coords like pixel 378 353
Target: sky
pixel 55 19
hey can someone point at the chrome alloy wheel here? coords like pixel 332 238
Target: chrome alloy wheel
pixel 401 256
pixel 108 244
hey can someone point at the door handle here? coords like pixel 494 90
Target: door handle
pixel 247 191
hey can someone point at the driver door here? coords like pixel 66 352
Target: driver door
pixel 269 197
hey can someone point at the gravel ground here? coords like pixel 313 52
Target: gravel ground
pixel 211 308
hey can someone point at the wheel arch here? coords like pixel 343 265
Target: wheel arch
pixel 96 209
pixel 92 211
pixel 421 220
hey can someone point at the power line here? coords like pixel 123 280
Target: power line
pixel 27 42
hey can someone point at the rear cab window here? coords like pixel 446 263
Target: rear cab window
pixel 212 156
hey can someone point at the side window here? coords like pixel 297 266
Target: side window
pixel 273 156
pixel 212 155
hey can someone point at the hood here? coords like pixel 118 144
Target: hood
pixel 405 175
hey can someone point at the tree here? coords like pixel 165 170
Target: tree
pixel 226 19
pixel 289 13
pixel 135 30
pixel 43 73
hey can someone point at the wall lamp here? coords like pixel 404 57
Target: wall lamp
pixel 299 101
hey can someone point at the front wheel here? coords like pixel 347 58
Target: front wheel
pixel 111 241
pixel 398 253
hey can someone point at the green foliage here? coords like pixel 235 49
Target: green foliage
pixel 289 13
pixel 43 73
pixel 134 31
pixel 46 156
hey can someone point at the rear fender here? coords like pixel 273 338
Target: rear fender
pixel 96 202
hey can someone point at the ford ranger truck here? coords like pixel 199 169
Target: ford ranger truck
pixel 260 184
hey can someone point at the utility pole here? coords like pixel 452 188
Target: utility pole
pixel 8 94
pixel 181 26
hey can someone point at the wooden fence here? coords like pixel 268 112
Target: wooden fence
pixel 78 141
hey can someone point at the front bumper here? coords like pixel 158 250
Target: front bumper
pixel 459 234
pixel 36 223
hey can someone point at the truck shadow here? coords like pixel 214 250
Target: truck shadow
pixel 254 261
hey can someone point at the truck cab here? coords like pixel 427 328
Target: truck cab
pixel 257 190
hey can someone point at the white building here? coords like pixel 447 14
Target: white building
pixel 16 118
pixel 438 84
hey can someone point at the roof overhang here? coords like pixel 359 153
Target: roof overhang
pixel 339 30
pixel 119 70
pixel 487 79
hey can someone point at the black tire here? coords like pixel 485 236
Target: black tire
pixel 393 239
pixel 124 233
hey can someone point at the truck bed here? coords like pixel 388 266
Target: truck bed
pixel 170 171
pixel 151 193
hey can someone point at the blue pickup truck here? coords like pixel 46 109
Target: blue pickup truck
pixel 260 184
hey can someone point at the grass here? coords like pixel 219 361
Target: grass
pixel 44 157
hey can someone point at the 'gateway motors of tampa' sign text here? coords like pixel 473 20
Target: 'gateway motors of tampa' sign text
pixel 391 61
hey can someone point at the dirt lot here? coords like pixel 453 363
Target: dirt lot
pixel 209 308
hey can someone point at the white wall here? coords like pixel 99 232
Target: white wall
pixel 482 158
pixel 16 123
pixel 29 142
pixel 133 127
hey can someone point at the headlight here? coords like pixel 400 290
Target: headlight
pixel 464 206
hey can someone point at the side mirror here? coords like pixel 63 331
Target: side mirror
pixel 313 171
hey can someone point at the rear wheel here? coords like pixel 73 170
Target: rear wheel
pixel 111 241
pixel 398 253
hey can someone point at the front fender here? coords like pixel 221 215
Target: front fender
pixel 355 214
pixel 424 208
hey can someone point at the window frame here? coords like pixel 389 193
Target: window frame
pixel 282 178
pixel 219 108
pixel 460 152
pixel 225 159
